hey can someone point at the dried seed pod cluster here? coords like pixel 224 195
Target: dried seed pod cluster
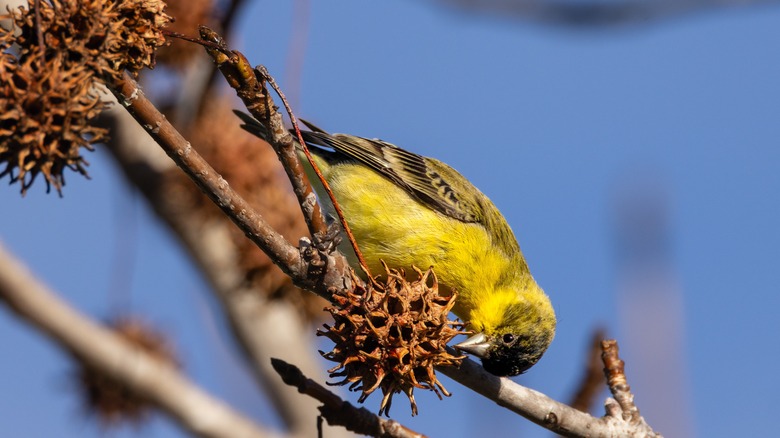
pixel 46 118
pixel 390 335
pixel 109 399
pixel 49 66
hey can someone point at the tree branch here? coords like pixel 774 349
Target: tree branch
pixel 210 182
pixel 262 327
pixel 284 255
pixel 243 78
pixel 614 369
pixel 250 86
pixel 105 351
pixel 543 410
pixel 339 412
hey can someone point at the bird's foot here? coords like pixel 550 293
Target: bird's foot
pixel 316 260
pixel 330 240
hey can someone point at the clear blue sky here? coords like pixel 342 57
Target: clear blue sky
pixel 556 126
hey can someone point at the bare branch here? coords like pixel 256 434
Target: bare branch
pixel 263 328
pixel 180 150
pixel 541 409
pixel 338 412
pixel 103 350
pixel 250 86
pixel 284 255
pixel 243 78
pixel 614 369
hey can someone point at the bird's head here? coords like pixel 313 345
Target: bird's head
pixel 505 354
pixel 522 332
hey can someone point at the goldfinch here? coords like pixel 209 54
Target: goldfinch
pixel 407 210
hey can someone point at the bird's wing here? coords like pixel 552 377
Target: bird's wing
pixel 430 181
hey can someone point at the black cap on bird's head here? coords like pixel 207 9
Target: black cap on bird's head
pixel 505 354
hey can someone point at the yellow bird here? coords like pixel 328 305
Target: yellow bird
pixel 407 209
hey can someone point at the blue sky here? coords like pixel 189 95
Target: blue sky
pixel 560 128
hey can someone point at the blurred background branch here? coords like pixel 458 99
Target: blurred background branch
pixel 591 384
pixel 146 377
pixel 250 289
pixel 598 13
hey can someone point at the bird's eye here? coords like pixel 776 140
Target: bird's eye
pixel 508 338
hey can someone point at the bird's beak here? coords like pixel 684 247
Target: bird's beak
pixel 477 345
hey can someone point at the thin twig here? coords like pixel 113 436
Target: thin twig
pixel 181 151
pixel 339 412
pixel 107 352
pixel 339 212
pixel 284 255
pixel 614 370
pixel 242 77
pixel 178 35
pixel 235 67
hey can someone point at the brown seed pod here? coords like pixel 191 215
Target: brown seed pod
pixel 108 399
pixel 48 98
pixel 106 36
pixel 391 335
pixel 46 115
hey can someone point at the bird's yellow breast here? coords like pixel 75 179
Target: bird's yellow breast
pixel 391 225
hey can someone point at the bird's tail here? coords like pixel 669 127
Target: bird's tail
pixel 252 125
pixel 323 157
pixel 256 127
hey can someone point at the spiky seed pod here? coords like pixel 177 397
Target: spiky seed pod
pixel 106 36
pixel 391 335
pixel 108 399
pixel 45 120
pixel 47 87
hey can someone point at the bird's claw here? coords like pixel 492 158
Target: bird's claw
pixel 330 240
pixel 315 259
